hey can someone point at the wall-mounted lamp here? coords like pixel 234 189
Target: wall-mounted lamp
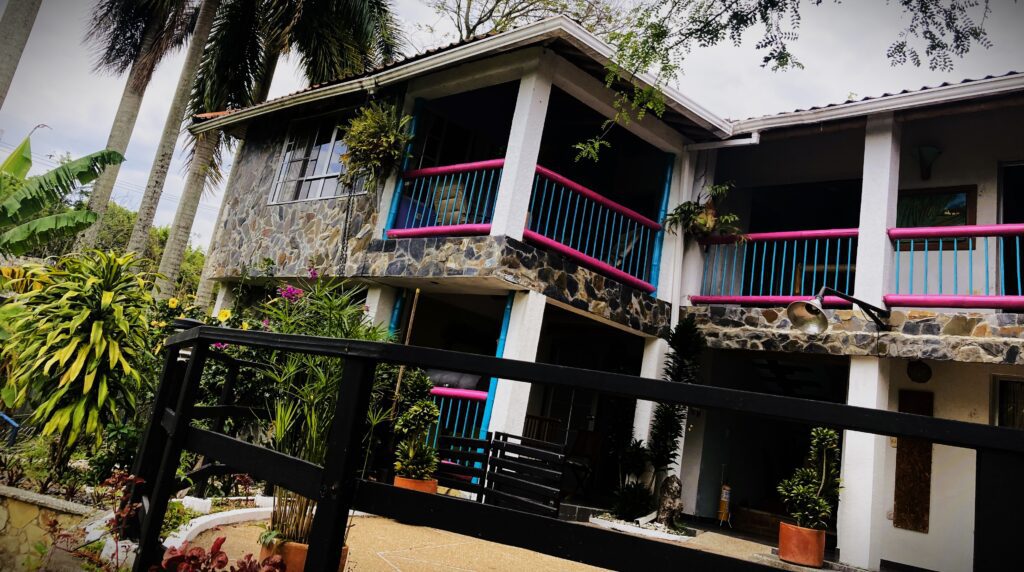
pixel 926 156
pixel 808 316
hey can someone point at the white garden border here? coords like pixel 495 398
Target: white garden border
pixel 620 526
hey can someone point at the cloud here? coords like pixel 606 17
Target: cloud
pixel 842 46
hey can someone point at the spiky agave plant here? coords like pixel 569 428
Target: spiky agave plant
pixel 80 347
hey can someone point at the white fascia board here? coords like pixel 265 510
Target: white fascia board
pixel 557 26
pixel 886 104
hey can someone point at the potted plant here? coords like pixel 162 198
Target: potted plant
pixel 700 218
pixel 415 457
pixel 809 496
pixel 375 140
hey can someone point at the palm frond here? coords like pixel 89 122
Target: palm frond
pixel 35 193
pixel 19 162
pixel 23 237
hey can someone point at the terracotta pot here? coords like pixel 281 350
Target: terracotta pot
pixel 294 555
pixel 421 485
pixel 799 545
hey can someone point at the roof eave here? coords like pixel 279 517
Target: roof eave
pixel 559 26
pixel 887 104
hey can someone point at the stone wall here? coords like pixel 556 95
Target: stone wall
pixel 952 336
pixel 292 235
pixel 23 521
pixel 513 265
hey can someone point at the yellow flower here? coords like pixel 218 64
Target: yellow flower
pixel 224 315
pixel 172 303
pixel 245 325
pixel 162 324
pixel 153 323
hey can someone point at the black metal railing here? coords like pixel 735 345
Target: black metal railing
pixel 336 488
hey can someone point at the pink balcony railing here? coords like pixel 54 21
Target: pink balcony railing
pixel 776 268
pixel 462 413
pixel 564 217
pixel 975 266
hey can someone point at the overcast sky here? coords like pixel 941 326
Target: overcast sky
pixel 842 47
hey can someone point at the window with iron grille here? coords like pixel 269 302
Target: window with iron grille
pixel 311 163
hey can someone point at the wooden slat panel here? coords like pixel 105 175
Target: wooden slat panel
pixel 913 468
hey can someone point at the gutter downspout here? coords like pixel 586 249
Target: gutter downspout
pixel 396 199
pixel 493 387
pixel 396 312
pixel 754 139
pixel 659 238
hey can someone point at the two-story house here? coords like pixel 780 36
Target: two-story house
pixel 495 239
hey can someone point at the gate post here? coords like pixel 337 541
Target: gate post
pixel 337 486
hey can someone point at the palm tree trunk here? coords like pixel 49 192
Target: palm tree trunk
pixel 15 26
pixel 172 127
pixel 120 135
pixel 204 294
pixel 177 241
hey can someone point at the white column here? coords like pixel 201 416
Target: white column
pixel 861 518
pixel 879 191
pixel 653 362
pixel 380 301
pixel 511 399
pixel 225 298
pixel 513 199
pixel 699 173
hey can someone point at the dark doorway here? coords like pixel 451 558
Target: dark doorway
pixel 589 424
pixel 1013 213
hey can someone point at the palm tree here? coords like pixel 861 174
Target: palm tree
pixel 131 36
pixel 24 201
pixel 172 127
pixel 332 38
pixel 15 26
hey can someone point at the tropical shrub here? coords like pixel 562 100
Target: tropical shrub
pixel 811 493
pixel 375 139
pixel 25 201
pixel 79 350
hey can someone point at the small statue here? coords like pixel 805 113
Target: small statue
pixel 670 503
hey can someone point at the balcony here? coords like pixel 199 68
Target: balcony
pixel 975 266
pixel 776 268
pixel 563 217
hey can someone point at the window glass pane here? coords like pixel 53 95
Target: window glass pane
pixel 335 165
pixel 932 209
pixel 330 187
pixel 303 191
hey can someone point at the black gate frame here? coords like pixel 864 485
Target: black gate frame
pixel 336 488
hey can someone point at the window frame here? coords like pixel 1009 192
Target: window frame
pixel 971 192
pixel 295 127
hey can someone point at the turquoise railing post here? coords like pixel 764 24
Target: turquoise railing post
pixel 492 387
pixel 396 313
pixel 659 237
pixel 396 199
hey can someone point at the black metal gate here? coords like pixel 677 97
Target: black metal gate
pixel 336 488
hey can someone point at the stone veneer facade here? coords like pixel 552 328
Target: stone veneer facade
pixel 296 235
pixel 515 266
pixel 917 334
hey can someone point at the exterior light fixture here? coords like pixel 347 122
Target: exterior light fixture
pixel 808 316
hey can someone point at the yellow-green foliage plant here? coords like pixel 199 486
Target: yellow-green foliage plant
pixel 80 348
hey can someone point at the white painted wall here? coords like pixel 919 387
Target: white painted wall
pixel 963 392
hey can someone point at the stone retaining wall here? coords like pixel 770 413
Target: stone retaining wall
pixel 23 522
pixel 951 336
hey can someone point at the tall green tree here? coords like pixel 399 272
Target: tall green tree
pixel 331 38
pixel 131 36
pixel 26 220
pixel 172 127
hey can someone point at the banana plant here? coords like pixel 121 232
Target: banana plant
pixel 25 201
pixel 80 347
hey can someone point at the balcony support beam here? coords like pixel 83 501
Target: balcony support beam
pixel 879 192
pixel 513 198
pixel 511 398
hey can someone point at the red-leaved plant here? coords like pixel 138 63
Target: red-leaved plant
pixel 196 559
